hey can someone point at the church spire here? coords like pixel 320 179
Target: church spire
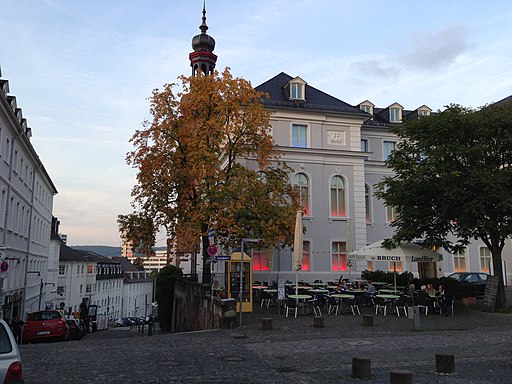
pixel 203 45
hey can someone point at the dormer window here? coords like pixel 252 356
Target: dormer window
pixel 395 113
pixel 297 89
pixel 424 111
pixel 367 106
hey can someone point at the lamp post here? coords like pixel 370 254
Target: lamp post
pixel 244 240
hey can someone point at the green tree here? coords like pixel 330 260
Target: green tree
pixel 207 160
pixel 139 263
pixel 452 178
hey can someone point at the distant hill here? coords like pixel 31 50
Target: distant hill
pixel 103 250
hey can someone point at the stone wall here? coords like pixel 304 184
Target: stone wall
pixel 193 308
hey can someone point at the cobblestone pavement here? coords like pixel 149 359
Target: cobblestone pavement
pixel 292 352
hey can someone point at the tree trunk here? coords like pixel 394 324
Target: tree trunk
pixel 501 300
pixel 206 266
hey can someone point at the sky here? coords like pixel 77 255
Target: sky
pixel 82 72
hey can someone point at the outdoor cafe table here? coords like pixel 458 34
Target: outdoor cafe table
pixel 388 291
pixel 302 298
pixel 388 296
pixel 318 291
pixel 342 296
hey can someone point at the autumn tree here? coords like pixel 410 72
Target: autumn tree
pixel 451 182
pixel 207 160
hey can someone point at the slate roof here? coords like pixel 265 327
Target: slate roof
pixel 70 254
pixel 316 100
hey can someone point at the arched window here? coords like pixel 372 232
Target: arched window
pixel 368 203
pixel 338 197
pixel 300 180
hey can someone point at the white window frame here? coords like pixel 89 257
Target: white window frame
pixel 368 204
pixel 385 150
pixel 343 190
pixel 457 258
pixel 485 259
pixel 299 137
pixel 395 115
pixel 307 207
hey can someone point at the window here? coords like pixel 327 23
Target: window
pixel 88 288
pixel 89 268
pixel 367 108
pixel 338 197
pixel 394 115
pixel 62 269
pixel 61 290
pixel 389 147
pixel 339 256
pixel 368 203
pixel 300 180
pixel 459 261
pixel 297 91
pixel 259 261
pixel 306 256
pixel 390 214
pixel 369 266
pixel 81 289
pixel 423 112
pixel 397 267
pixel 485 260
pixel 364 145
pixel 299 136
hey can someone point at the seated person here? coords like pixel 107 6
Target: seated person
pixel 369 292
pixel 422 298
pixel 430 290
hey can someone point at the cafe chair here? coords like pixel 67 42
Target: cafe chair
pixel 291 305
pixel 313 303
pixel 423 303
pixel 333 304
pixel 380 304
pixel 354 306
pixel 401 304
pixel 451 301
pixel 266 298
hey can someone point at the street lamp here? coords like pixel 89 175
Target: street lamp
pixel 244 240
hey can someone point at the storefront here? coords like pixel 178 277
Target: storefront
pixel 11 306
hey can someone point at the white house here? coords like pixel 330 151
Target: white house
pixel 26 203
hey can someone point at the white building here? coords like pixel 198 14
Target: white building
pixel 137 290
pixel 26 203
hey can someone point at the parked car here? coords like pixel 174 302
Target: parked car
pixel 10 359
pixel 478 279
pixel 127 321
pixel 75 331
pixel 44 325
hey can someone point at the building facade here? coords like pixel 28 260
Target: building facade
pixel 26 204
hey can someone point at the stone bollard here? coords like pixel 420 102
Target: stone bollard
pixel 318 322
pixel 445 363
pixel 361 368
pixel 400 376
pixel 266 324
pixel 367 320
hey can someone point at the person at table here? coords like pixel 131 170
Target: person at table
pixel 423 298
pixel 430 290
pixel 369 292
pixel 445 300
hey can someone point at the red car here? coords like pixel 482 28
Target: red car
pixel 45 325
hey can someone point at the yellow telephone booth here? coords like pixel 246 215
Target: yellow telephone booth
pixel 233 280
